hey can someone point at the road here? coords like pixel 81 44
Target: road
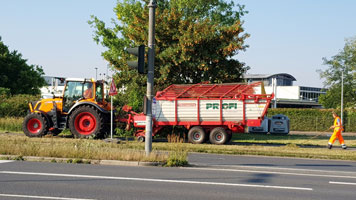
pixel 211 177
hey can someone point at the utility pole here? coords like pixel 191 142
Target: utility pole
pixel 274 90
pixel 150 75
pixel 96 73
pixel 342 97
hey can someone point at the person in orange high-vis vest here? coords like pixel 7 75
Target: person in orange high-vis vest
pixel 337 132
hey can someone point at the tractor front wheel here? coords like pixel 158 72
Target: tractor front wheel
pixel 85 122
pixel 35 125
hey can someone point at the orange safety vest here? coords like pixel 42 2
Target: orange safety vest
pixel 337 124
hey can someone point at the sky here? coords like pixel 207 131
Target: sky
pixel 287 36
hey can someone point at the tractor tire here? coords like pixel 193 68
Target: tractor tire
pixel 196 135
pixel 218 136
pixel 35 125
pixel 86 122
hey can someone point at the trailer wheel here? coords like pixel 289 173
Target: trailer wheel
pixel 140 139
pixel 218 136
pixel 196 135
pixel 86 121
pixel 34 125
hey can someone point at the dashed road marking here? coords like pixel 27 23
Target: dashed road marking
pixel 341 183
pixel 6 161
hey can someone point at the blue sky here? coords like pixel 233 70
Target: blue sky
pixel 289 36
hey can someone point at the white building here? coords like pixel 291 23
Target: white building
pixel 287 95
pixel 55 86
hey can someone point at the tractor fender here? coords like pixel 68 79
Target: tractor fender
pixel 45 115
pixel 87 103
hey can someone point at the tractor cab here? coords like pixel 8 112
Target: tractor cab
pixel 83 90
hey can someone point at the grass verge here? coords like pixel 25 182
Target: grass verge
pixel 76 149
pixel 11 124
pixel 174 154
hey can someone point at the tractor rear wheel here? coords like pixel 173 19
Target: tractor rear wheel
pixel 218 136
pixel 196 135
pixel 86 122
pixel 35 125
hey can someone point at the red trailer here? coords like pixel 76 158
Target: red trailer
pixel 208 111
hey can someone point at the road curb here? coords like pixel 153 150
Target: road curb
pixel 78 161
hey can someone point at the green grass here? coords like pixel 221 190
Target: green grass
pixel 11 124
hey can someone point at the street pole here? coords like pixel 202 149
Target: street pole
pixel 111 118
pixel 274 89
pixel 96 73
pixel 342 97
pixel 150 76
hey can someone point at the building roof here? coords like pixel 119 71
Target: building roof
pixel 266 76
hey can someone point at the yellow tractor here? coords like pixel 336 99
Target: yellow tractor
pixel 82 108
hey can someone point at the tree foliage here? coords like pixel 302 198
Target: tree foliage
pixel 344 61
pixel 195 41
pixel 17 77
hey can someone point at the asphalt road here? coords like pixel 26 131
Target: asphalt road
pixel 213 177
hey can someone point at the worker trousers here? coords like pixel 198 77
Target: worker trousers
pixel 336 134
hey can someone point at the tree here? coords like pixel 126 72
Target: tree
pixel 344 61
pixel 195 41
pixel 17 77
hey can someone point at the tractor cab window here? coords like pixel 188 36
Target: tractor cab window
pixel 99 92
pixel 88 90
pixel 75 91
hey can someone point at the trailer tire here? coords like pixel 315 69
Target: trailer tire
pixel 196 135
pixel 141 139
pixel 218 136
pixel 35 125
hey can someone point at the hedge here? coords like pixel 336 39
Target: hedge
pixel 16 105
pixel 315 119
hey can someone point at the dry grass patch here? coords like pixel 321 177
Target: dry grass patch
pixel 76 148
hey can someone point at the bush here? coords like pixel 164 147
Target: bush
pixel 15 106
pixel 315 119
pixel 177 159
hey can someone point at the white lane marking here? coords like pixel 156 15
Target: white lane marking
pixel 39 197
pixel 6 161
pixel 286 169
pixel 156 180
pixel 269 172
pixel 342 183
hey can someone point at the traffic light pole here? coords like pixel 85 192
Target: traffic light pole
pixel 150 75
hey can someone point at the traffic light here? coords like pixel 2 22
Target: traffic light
pixel 140 63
